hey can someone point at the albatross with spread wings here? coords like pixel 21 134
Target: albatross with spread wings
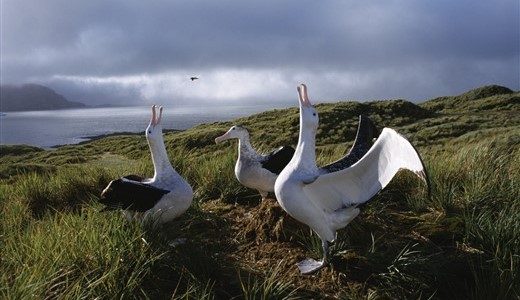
pixel 326 198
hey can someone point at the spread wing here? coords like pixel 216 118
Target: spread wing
pixel 366 132
pixel 355 185
pixel 278 159
pixel 134 177
pixel 130 193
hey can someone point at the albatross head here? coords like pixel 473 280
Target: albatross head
pixel 308 114
pixel 235 132
pixel 154 129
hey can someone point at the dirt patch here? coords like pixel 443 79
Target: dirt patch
pixel 266 222
pixel 267 239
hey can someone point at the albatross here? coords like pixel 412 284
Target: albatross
pixel 161 198
pixel 254 170
pixel 259 171
pixel 326 198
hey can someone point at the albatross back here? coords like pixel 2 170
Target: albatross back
pixel 131 194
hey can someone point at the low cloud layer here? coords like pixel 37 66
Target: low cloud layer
pixel 132 52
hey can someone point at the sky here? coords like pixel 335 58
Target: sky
pixel 132 52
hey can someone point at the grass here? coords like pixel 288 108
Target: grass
pixel 462 242
pixel 73 256
pixel 268 287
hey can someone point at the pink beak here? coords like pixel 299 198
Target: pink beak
pixel 156 120
pixel 304 98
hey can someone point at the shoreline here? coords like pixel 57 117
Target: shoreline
pixel 80 134
pixel 91 138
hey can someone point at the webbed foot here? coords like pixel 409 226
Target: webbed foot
pixel 309 266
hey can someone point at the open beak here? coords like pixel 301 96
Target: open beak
pixel 156 119
pixel 303 97
pixel 153 120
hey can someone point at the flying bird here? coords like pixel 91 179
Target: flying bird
pixel 326 198
pixel 254 170
pixel 194 78
pixel 161 198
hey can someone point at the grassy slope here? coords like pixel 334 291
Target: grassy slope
pixel 463 242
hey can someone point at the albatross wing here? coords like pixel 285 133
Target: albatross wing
pixel 357 184
pixel 366 132
pixel 278 159
pixel 129 194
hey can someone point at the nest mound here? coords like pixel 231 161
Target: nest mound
pixel 267 222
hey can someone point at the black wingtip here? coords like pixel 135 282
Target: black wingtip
pixel 366 124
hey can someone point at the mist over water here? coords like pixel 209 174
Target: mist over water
pixel 57 127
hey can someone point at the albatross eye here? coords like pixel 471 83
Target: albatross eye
pixel 314 114
pixel 149 131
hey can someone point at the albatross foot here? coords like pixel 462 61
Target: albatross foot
pixel 309 266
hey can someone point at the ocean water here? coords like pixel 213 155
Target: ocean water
pixel 58 127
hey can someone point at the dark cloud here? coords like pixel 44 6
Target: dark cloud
pixel 133 50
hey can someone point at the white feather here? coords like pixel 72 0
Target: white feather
pixel 390 153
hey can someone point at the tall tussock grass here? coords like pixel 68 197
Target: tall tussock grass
pixel 68 188
pixel 480 184
pixel 56 244
pixel 271 286
pixel 67 255
pixel 212 175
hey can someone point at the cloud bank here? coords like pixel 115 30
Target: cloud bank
pixel 135 52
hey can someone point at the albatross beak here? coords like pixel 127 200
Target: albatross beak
pixel 221 138
pixel 153 120
pixel 156 119
pixel 160 116
pixel 303 97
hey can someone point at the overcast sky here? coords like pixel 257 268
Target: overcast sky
pixel 137 52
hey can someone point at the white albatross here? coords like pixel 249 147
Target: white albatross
pixel 254 170
pixel 159 199
pixel 325 199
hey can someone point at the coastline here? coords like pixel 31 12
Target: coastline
pixel 52 129
pixel 88 139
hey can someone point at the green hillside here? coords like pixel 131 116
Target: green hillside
pixel 463 242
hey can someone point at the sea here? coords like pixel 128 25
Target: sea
pixel 50 128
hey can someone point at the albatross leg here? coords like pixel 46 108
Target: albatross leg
pixel 263 194
pixel 309 265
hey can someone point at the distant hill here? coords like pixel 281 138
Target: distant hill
pixel 32 97
pixel 490 97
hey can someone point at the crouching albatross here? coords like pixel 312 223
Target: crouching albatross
pixel 161 198
pixel 326 198
pixel 254 170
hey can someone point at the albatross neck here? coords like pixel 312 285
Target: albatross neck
pixel 161 163
pixel 244 146
pixel 305 154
